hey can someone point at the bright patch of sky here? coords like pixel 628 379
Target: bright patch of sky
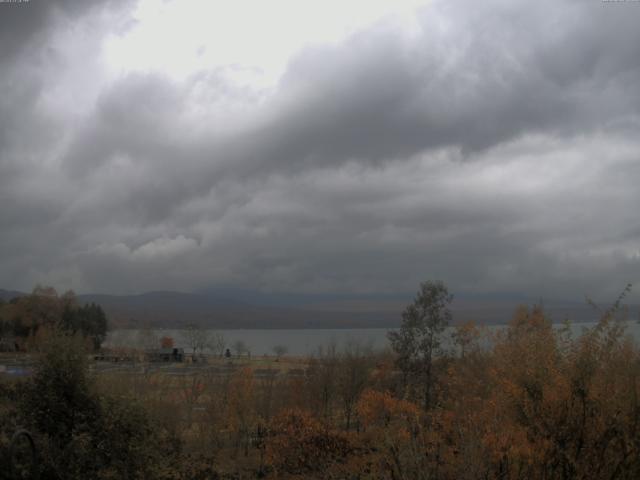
pixel 252 41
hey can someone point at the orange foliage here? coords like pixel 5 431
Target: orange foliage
pixel 537 404
pixel 379 408
pixel 299 443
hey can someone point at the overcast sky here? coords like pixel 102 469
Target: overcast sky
pixel 307 146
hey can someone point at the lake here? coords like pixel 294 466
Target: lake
pixel 296 341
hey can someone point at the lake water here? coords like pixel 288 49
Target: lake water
pixel 297 341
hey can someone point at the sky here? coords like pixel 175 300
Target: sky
pixel 320 147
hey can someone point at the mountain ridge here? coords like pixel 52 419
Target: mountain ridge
pixel 262 311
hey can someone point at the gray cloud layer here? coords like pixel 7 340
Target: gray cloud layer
pixel 497 149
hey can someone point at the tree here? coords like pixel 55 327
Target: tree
pixel 240 347
pixel 200 339
pixel 217 343
pixel 147 338
pixel 241 413
pixel 299 444
pixel 280 350
pixel 57 399
pixel 194 338
pixel 166 342
pixel 353 374
pixel 32 317
pixel 90 320
pixel 465 337
pixel 419 339
pixel 81 434
pixel 322 380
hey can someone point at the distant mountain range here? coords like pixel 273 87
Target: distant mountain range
pixel 236 309
pixel 7 295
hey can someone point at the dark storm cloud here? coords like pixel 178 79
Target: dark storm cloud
pixel 379 97
pixel 23 24
pixel 495 75
pixel 26 131
pixel 494 146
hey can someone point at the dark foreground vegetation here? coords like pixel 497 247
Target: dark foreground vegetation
pixel 536 404
pixel 26 321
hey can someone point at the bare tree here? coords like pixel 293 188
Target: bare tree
pixel 147 338
pixel 240 347
pixel 199 339
pixel 217 343
pixel 353 375
pixel 194 338
pixel 321 380
pixel 280 350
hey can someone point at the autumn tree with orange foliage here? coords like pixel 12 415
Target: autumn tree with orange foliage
pixel 466 337
pixel 300 444
pixel 241 409
pixel 543 405
pixel 530 401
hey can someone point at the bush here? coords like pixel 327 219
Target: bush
pixel 79 434
pixel 299 444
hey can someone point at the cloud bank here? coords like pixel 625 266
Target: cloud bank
pixel 493 145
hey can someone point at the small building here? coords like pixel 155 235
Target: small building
pixel 166 355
